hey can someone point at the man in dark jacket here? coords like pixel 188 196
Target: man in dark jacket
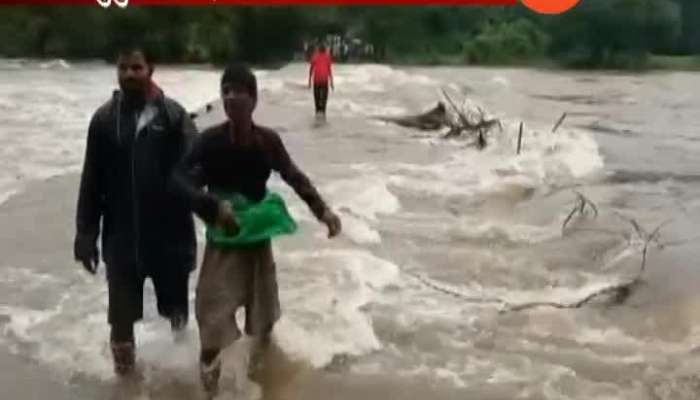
pixel 134 141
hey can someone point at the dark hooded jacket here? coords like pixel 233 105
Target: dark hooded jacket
pixel 125 188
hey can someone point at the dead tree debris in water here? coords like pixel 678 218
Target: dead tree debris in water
pixel 433 119
pixel 617 292
pixel 442 288
pixel 463 124
pixel 475 122
pixel 559 122
pixel 520 138
pixel 580 207
pixel 461 120
pixel 646 237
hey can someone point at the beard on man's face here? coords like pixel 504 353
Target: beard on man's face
pixel 134 86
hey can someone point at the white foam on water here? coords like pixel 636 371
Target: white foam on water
pixel 344 105
pixel 323 294
pixel 367 196
pixel 358 229
pixel 12 63
pixel 365 84
pixel 273 85
pixel 72 337
pixel 360 201
pixel 501 80
pixel 441 375
pixel 7 194
pixel 629 100
pixel 55 64
pixel 372 77
pixel 6 104
pixel 157 348
pixel 71 344
pixel 546 159
pixel 192 88
pixel 322 317
pixel 28 279
pixel 478 228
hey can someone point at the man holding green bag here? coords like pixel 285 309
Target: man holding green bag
pixel 234 161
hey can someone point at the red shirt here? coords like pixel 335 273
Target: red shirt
pixel 321 67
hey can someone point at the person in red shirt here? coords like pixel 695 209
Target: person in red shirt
pixel 321 75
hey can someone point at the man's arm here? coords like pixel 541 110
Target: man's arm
pixel 295 178
pixel 311 69
pixel 89 209
pixel 186 133
pixel 311 72
pixel 90 202
pixel 330 71
pixel 189 178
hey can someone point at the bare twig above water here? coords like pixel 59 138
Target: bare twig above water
pixel 559 122
pixel 638 229
pixel 456 109
pixel 647 238
pixel 581 203
pixel 586 201
pixel 480 127
pixel 520 138
pixel 642 234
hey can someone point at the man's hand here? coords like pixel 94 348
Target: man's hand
pixel 332 222
pixel 226 219
pixel 332 86
pixel 85 251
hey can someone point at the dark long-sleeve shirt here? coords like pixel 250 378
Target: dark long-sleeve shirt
pixel 223 165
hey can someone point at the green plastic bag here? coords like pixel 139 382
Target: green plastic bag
pixel 258 222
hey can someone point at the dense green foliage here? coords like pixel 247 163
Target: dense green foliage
pixel 597 33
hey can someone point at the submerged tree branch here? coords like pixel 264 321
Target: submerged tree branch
pixel 580 207
pixel 619 292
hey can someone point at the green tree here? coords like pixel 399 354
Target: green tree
pixel 597 33
pixel 614 33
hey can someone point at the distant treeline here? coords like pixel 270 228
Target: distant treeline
pixel 597 33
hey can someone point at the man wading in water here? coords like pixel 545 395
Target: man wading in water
pixel 234 161
pixel 321 74
pixel 134 142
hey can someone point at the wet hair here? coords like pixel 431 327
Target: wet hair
pixel 240 76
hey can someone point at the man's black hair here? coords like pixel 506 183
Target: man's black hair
pixel 240 76
pixel 126 49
